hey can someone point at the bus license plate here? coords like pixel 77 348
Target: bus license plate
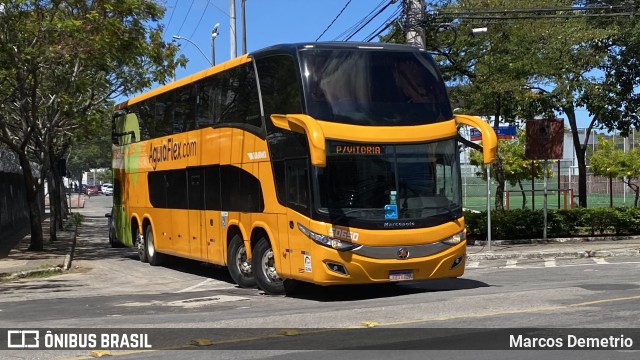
pixel 400 275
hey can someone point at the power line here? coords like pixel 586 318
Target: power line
pixel 385 25
pixel 349 31
pixel 334 20
pixel 173 10
pixel 371 19
pixel 185 17
pixel 200 20
pixel 217 7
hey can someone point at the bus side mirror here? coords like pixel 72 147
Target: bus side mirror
pixel 307 125
pixel 489 138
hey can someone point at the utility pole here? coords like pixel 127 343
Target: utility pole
pixel 243 20
pixel 232 28
pixel 414 17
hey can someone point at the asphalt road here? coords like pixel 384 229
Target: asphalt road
pixel 111 288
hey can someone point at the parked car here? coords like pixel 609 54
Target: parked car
pixel 91 190
pixel 107 189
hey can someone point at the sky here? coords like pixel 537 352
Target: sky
pixel 268 22
pixel 271 22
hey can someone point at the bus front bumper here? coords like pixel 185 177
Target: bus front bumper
pixel 331 267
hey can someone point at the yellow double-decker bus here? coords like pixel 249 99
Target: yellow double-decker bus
pixel 329 163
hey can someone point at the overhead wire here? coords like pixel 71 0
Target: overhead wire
pixel 200 20
pixel 185 17
pixel 385 25
pixel 371 19
pixel 334 20
pixel 350 30
pixel 173 10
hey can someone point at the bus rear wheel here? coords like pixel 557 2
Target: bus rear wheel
pixel 155 258
pixel 140 245
pixel 264 269
pixel 238 264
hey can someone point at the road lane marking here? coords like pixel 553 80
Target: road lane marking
pixel 208 284
pixel 511 263
pixel 473 264
pixel 189 303
pixel 600 261
pixel 550 263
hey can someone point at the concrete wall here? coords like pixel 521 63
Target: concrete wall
pixel 14 210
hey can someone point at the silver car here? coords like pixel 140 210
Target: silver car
pixel 107 189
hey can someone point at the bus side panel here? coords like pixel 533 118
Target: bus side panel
pixel 282 237
pixel 302 261
pixel 214 240
pixel 237 153
pixel 195 184
pixel 225 146
pixel 162 229
pixel 213 234
pixel 267 183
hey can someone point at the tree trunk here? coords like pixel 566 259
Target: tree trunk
pixel 524 196
pixel 580 150
pixel 35 216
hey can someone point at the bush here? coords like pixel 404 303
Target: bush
pixel 529 224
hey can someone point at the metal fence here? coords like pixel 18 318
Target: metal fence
pixel 562 192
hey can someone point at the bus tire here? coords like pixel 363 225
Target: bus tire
pixel 238 264
pixel 264 269
pixel 153 256
pixel 140 245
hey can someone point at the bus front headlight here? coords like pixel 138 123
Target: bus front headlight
pixel 455 239
pixel 326 241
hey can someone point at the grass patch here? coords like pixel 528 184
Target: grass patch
pixel 43 272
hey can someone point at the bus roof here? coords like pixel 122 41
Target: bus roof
pixel 185 80
pixel 280 48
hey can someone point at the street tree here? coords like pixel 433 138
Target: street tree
pixel 614 163
pixel 542 58
pixel 515 167
pixel 60 61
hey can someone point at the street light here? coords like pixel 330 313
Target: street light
pixel 214 35
pixel 178 37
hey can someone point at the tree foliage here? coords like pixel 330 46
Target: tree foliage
pixel 515 166
pixel 60 62
pixel 541 58
pixel 606 160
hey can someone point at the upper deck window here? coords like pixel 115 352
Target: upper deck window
pixel 373 87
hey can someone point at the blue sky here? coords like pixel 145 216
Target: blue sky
pixel 271 22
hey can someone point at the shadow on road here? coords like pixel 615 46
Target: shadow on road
pixel 362 292
pixel 93 244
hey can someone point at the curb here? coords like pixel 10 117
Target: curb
pixel 551 254
pixel 26 273
pixel 58 268
pixel 569 240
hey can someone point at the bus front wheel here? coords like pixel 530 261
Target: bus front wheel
pixel 238 264
pixel 264 269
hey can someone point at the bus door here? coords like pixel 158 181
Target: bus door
pixel 195 184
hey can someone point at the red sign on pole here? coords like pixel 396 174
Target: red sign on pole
pixel 545 139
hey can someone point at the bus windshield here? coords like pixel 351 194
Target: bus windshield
pixel 361 180
pixel 373 87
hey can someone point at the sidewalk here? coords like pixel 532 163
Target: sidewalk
pixel 556 248
pixel 17 262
